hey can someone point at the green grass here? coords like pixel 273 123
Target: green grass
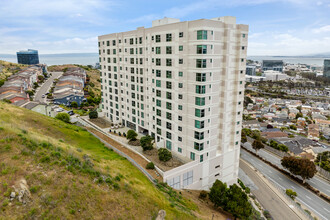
pixel 77 173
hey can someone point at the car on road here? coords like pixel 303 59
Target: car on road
pixel 59 110
pixel 70 112
pixel 43 96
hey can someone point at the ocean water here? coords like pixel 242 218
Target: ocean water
pixel 291 60
pixel 92 58
pixel 59 59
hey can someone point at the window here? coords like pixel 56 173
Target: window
pixel 168 50
pixel 180 107
pixel 200 77
pixel 180 96
pixel 158 112
pixel 200 89
pixel 179 128
pixel 200 113
pixel 180 74
pixel 201 63
pixel 169 74
pixel 158 73
pixel 157 38
pixel 199 124
pixel 158 83
pixel 199 135
pixel 158 93
pixel 243 35
pixel 131 41
pixel 180 34
pixel 201 49
pixel 168 105
pixel 198 146
pixel 168 85
pixel 159 131
pixel 168 125
pixel 168 37
pixel 168 116
pixel 201 158
pixel 180 48
pixel 199 101
pixel 158 62
pixel 202 35
pixel 192 156
pixel 158 50
pixel 168 62
pixel 168 135
pixel 168 95
pixel 180 61
pixel 179 149
pixel 180 85
pixel 180 118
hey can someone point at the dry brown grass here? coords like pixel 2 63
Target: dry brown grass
pixel 8 68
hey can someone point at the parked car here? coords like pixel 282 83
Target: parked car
pixel 43 96
pixel 70 112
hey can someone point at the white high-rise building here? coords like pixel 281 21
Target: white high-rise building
pixel 183 83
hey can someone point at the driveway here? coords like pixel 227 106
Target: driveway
pixel 45 87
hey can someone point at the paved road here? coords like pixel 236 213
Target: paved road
pixel 268 198
pixel 313 202
pixel 46 86
pixel 316 181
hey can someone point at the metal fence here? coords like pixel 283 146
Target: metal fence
pixel 277 152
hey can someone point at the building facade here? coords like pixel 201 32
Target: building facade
pixel 326 68
pixel 182 83
pixel 29 57
pixel 275 65
pixel 251 70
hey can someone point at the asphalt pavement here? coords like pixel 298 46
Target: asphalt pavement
pixel 45 87
pixel 267 197
pixel 316 181
pixel 313 202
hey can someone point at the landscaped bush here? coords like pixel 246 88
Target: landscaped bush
pixel 131 135
pixel 93 114
pixel 164 154
pixel 150 166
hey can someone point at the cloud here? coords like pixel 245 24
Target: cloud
pixel 323 29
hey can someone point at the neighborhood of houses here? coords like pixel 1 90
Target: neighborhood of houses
pixel 300 127
pixel 16 87
pixel 68 88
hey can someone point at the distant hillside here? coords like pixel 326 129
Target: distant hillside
pixel 60 171
pixel 7 69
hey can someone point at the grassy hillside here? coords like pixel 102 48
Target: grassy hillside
pixel 70 174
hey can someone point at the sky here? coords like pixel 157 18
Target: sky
pixel 276 27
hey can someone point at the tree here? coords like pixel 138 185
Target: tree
pixel 257 145
pixel 74 104
pixel 293 127
pixel 146 142
pixel 292 194
pixel 41 78
pixel 232 199
pixel 243 137
pixel 299 115
pixel 218 193
pixel 31 93
pixel 299 166
pixel 323 160
pixel 164 154
pixel 63 117
pixel 2 81
pixel 93 114
pixel 131 135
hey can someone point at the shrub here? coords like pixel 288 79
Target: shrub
pixel 131 135
pixel 150 166
pixel 119 133
pixel 74 104
pixel 164 154
pixel 292 194
pixel 124 134
pixel 63 117
pixel 93 114
pixel 203 194
pixel 34 189
pixel 146 142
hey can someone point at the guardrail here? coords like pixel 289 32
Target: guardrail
pixel 323 172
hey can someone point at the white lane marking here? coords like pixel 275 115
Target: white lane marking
pixel 326 209
pixel 312 209
pixel 270 171
pixel 308 197
pixel 292 187
pixel 280 178
pixel 328 190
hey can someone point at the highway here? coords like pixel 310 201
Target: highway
pixel 267 197
pixel 316 181
pixel 305 197
pixel 45 87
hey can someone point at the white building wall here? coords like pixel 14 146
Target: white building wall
pixel 226 47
